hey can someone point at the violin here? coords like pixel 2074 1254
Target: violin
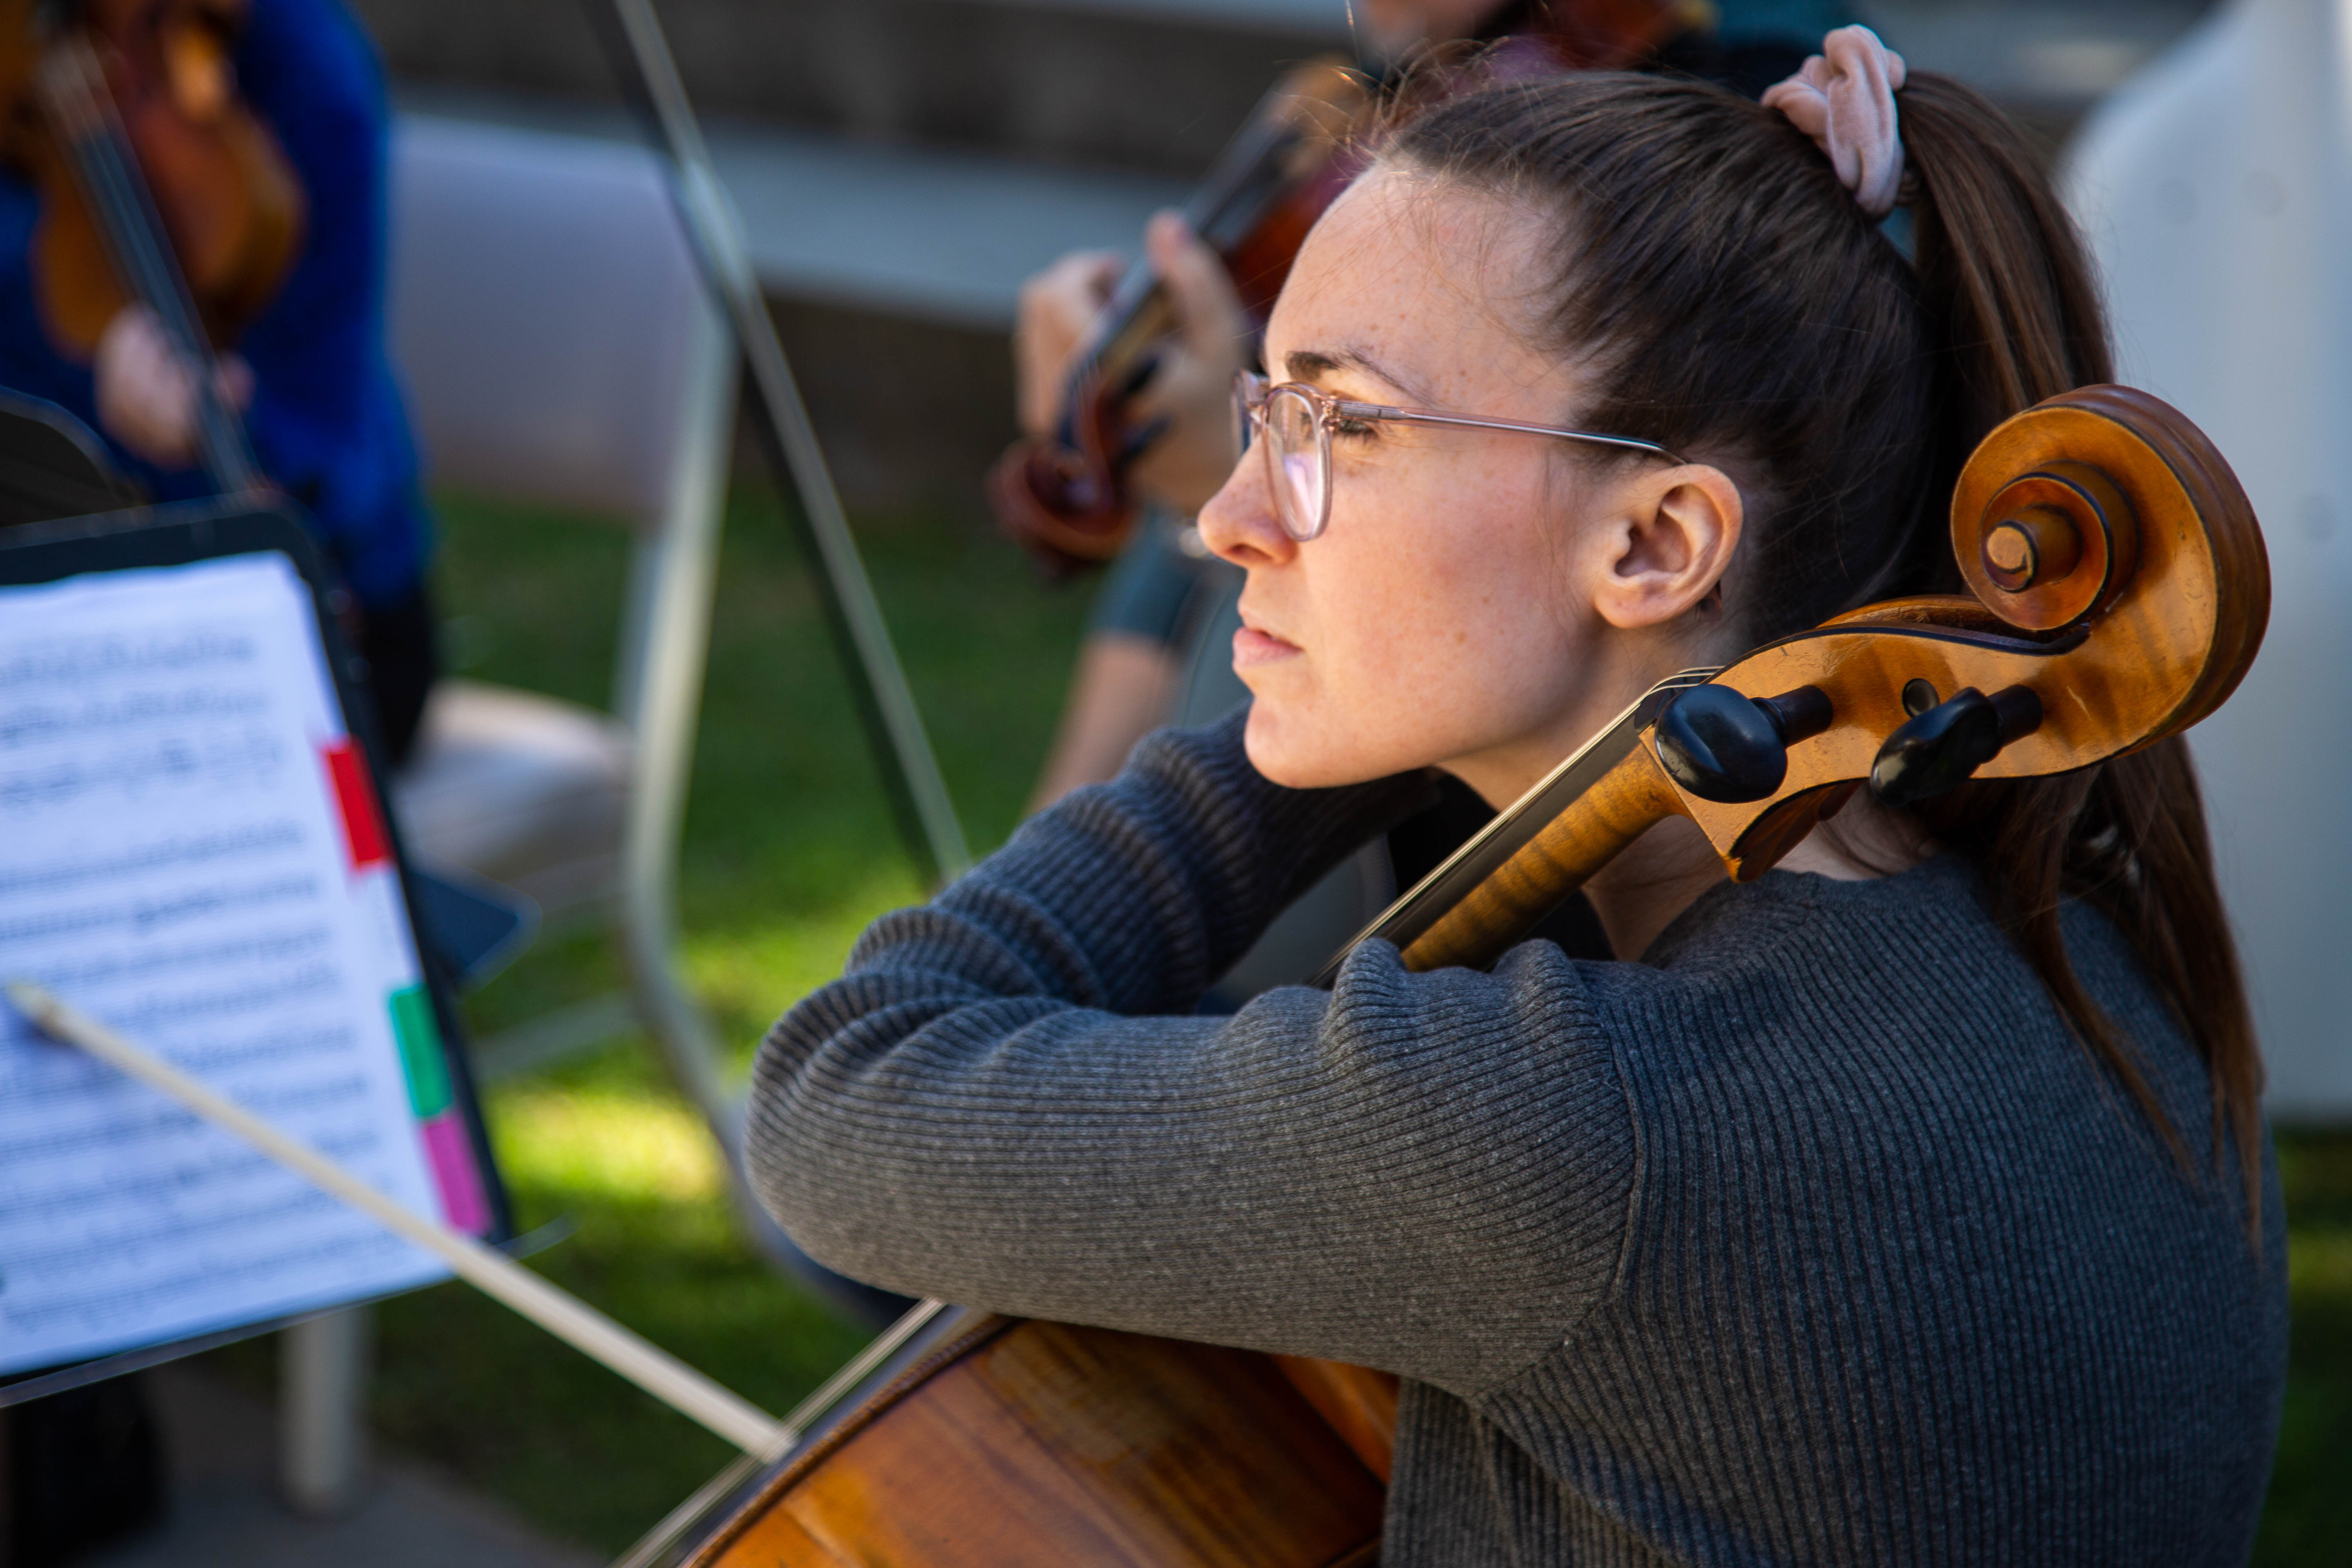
pixel 1064 498
pixel 158 185
pixel 2118 594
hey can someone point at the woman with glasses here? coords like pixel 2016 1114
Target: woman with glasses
pixel 1911 1202
pixel 1138 666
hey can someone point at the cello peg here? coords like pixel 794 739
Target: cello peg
pixel 1941 748
pixel 1799 715
pixel 1723 745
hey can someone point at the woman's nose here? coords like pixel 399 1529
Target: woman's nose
pixel 1240 525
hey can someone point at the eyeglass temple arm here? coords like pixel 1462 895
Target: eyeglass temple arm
pixel 1419 417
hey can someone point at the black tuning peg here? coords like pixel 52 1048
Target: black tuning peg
pixel 1723 745
pixel 1941 747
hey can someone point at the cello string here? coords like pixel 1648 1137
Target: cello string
pixel 1419 907
pixel 560 1313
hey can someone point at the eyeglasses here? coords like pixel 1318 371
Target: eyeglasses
pixel 1293 422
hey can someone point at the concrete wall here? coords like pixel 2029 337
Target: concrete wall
pixel 1124 87
pixel 910 413
pixel 912 410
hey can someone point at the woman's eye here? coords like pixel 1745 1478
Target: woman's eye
pixel 1348 426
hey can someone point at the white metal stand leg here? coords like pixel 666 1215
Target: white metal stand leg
pixel 323 1410
pixel 658 692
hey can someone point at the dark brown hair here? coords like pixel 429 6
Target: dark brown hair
pixel 1731 299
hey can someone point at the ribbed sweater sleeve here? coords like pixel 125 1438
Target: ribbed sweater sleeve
pixel 1004 1101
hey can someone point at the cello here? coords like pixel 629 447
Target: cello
pixel 2120 590
pixel 1064 498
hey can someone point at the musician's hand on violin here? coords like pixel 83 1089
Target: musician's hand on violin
pixel 1055 324
pixel 146 393
pixel 1193 389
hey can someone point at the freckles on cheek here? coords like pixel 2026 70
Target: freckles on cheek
pixel 1437 603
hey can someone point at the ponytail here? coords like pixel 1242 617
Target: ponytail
pixel 1735 301
pixel 2018 319
pixel 1999 261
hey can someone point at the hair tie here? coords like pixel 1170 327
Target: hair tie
pixel 1844 98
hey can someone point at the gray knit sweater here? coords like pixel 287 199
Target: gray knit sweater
pixel 1813 1237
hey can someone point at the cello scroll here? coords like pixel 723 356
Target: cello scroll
pixel 2122 513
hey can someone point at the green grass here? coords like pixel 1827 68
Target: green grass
pixel 2309 1518
pixel 789 853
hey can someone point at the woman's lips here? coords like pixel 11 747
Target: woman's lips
pixel 1252 647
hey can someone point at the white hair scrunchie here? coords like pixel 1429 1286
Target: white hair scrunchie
pixel 1844 98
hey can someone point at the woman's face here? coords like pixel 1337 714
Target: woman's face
pixel 1463 607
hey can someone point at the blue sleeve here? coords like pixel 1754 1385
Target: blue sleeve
pixel 30 359
pixel 326 418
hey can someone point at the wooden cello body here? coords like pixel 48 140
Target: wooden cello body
pixel 997 1442
pixel 2120 594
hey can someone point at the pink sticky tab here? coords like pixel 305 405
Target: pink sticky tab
pixel 452 1157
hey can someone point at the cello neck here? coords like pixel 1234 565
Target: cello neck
pixel 1538 850
pixel 89 132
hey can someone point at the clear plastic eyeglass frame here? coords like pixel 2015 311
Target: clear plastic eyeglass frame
pixel 1293 420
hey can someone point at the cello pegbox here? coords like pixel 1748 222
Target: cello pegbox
pixel 2052 547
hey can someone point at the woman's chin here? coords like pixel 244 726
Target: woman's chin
pixel 1292 755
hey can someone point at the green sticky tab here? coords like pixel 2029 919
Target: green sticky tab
pixel 420 1051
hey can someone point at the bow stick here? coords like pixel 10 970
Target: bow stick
pixel 493 1273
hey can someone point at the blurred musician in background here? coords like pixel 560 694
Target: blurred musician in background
pixel 327 426
pixel 310 370
pixel 1166 590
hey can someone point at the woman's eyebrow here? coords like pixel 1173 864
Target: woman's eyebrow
pixel 1306 364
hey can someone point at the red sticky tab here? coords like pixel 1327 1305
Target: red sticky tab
pixel 362 823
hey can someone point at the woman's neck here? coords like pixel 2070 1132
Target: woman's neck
pixel 1653 880
pixel 1662 873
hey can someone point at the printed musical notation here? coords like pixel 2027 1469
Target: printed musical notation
pixel 176 858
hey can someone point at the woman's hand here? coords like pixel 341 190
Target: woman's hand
pixel 146 392
pixel 1192 389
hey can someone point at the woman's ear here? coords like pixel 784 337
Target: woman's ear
pixel 1666 546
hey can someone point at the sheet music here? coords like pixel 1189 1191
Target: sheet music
pixel 189 852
